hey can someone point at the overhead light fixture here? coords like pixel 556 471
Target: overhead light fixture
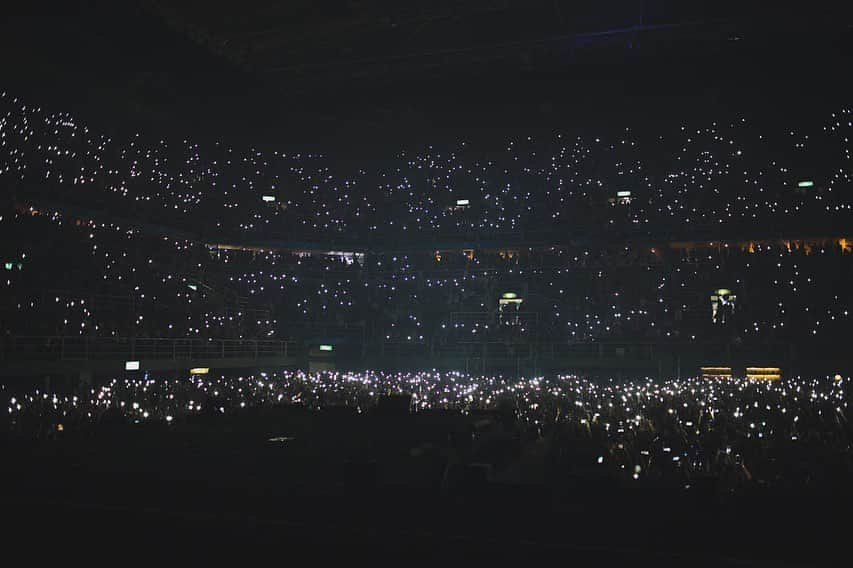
pixel 131 365
pixel 268 198
pixel 327 348
pixel 805 183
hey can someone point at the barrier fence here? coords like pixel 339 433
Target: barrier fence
pixel 62 348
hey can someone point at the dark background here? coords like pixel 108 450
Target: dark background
pixel 363 77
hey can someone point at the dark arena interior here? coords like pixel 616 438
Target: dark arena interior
pixel 479 281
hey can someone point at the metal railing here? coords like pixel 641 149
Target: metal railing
pixel 634 350
pixel 64 348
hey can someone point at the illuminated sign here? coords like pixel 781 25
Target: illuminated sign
pixel 326 348
pixel 268 198
pixel 622 198
pixel 199 371
pixel 131 365
pixel 462 202
pixel 508 298
pixel 722 292
pixel 716 372
pixel 805 183
pixel 764 373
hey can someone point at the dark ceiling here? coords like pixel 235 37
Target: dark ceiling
pixel 368 71
pixel 303 42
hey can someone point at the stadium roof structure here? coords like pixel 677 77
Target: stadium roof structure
pixel 320 75
pixel 305 42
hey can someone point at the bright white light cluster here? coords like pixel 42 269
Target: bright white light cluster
pixel 639 427
pixel 730 174
pixel 119 281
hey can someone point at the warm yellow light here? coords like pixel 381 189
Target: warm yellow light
pixel 764 373
pixel 716 372
pixel 199 371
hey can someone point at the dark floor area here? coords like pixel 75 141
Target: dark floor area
pixel 338 485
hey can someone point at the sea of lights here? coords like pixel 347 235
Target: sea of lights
pixel 639 427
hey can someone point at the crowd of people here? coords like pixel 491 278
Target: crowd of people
pixel 145 237
pixel 726 175
pixel 721 232
pixel 791 432
pixel 70 276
